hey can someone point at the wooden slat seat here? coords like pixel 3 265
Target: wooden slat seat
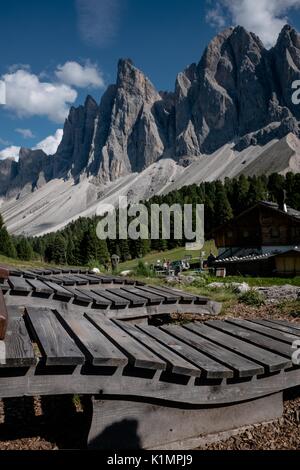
pixel 90 279
pixel 211 368
pixel 291 327
pixel 57 346
pixel 175 363
pixel 116 300
pixel 79 295
pixel 19 284
pixel 100 350
pixel 97 300
pixel 40 287
pixel 59 290
pixel 271 361
pixel 152 298
pixel 285 337
pixel 138 354
pixel 168 296
pixel 252 337
pixel 16 350
pixel 183 296
pixel 243 367
pixel 135 301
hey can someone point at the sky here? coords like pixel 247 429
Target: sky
pixel 53 53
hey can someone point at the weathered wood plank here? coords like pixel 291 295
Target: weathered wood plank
pixel 153 299
pixel 281 327
pixel 285 337
pixel 95 298
pixel 285 323
pixel 97 347
pixel 255 338
pixel 16 349
pixel 59 290
pixel 90 279
pixel 78 295
pixel 134 300
pixel 176 364
pixel 56 344
pixel 212 369
pixel 19 284
pixel 137 353
pixel 55 279
pixel 168 297
pixel 243 367
pixel 117 301
pixel 40 287
pixel 272 362
pixel 68 280
pixel 183 296
pixel 28 275
pixel 79 280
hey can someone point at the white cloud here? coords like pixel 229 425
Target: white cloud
pixel 215 17
pixel 265 18
pixel 25 133
pixel 51 143
pixel 10 152
pixel 98 20
pixel 72 73
pixel 26 95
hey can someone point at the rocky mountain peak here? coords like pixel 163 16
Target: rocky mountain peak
pixel 238 93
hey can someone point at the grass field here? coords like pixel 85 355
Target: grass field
pixel 172 255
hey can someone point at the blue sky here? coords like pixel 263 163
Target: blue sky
pixel 162 37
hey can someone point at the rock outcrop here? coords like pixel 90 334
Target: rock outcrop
pixel 132 126
pixel 239 93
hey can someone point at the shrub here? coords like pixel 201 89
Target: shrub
pixel 144 270
pixel 252 297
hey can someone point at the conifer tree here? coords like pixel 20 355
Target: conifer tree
pixel 24 249
pixel 7 247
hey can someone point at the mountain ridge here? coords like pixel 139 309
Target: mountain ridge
pixel 236 101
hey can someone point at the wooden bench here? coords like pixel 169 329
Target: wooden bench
pixel 115 297
pixel 151 387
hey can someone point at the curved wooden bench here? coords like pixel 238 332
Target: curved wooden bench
pixel 152 387
pixel 129 299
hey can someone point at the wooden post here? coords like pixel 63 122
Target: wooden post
pixel 4 273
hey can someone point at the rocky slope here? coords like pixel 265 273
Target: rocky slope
pixel 60 201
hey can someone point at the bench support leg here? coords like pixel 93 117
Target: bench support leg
pixel 120 424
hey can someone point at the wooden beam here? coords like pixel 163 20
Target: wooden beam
pixel 3 316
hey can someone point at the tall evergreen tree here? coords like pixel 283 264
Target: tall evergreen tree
pixel 59 249
pixel 7 247
pixel 223 210
pixel 24 249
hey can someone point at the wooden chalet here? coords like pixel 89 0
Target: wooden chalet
pixel 262 240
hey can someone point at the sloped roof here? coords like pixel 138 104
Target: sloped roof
pixel 290 211
pixel 293 213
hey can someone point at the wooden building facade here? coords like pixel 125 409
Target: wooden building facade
pixel 264 228
pixel 264 240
